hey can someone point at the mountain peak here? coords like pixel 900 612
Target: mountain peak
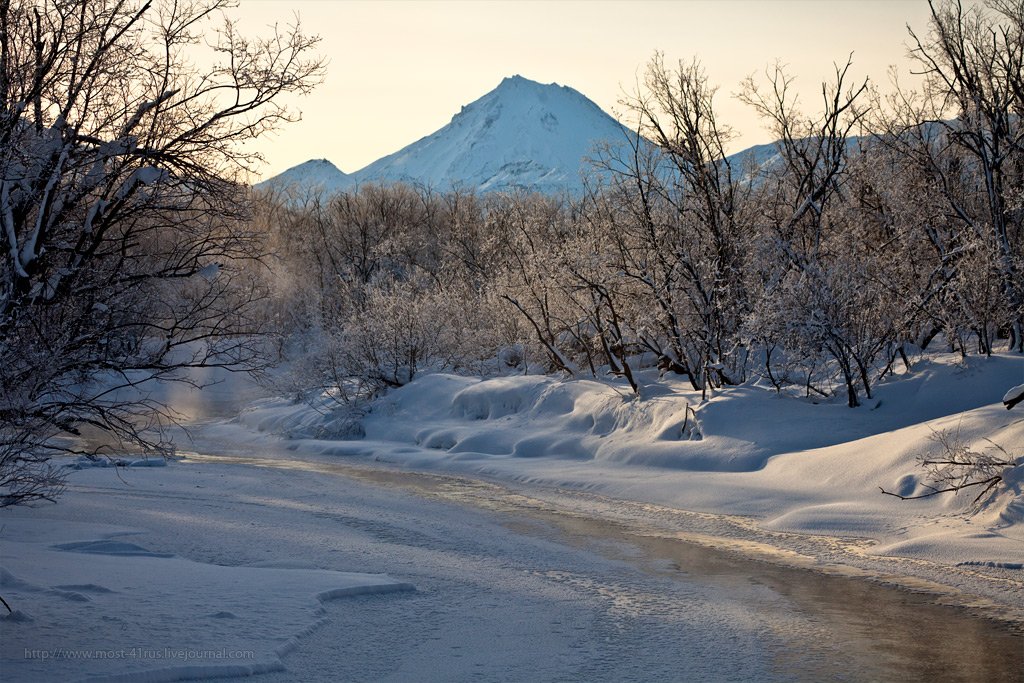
pixel 517 81
pixel 322 164
pixel 315 174
pixel 513 80
pixel 517 86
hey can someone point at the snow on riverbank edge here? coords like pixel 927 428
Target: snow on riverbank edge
pixel 791 464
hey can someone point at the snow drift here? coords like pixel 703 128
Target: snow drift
pixel 793 463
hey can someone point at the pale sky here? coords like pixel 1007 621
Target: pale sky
pixel 400 70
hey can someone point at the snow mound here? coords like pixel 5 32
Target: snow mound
pixel 296 420
pixel 1014 396
pixel 441 418
pixel 738 430
pixel 532 417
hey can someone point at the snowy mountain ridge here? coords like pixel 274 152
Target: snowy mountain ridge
pixel 521 135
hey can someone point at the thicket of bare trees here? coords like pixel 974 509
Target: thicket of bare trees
pixel 875 227
pixel 378 285
pixel 124 212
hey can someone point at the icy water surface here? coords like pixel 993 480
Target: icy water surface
pixel 511 588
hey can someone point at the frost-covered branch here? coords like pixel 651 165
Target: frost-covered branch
pixel 120 188
pixel 958 468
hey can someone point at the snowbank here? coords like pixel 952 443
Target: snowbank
pixel 794 464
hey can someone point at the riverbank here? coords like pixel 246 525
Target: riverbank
pixel 758 467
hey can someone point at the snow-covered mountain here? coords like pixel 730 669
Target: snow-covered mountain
pixel 522 134
pixel 319 174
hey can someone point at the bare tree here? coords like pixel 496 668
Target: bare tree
pixel 813 153
pixel 972 61
pixel 530 230
pixel 807 298
pixel 124 208
pixel 673 207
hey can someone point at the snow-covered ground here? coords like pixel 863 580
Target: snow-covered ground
pixel 92 600
pixel 791 464
pixel 565 566
pixel 509 587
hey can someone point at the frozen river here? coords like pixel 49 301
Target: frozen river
pixel 513 588
pixel 513 583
